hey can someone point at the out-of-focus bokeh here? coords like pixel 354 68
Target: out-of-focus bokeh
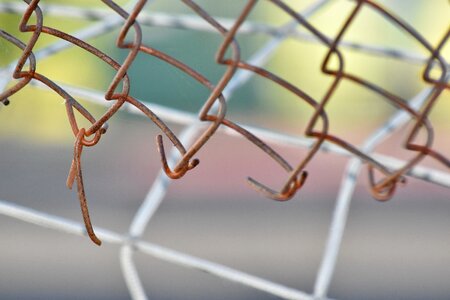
pixel 394 250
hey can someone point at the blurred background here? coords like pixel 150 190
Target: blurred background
pixel 393 250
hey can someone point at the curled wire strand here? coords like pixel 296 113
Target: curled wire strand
pixel 297 176
pixel 214 90
pixel 27 53
pixel 134 48
pixel 340 74
pixel 25 77
pixel 70 103
pixel 216 95
pixel 294 183
pixel 320 107
pixel 185 163
pixel 78 148
pixel 384 189
pixel 99 126
pixel 235 62
pixel 439 86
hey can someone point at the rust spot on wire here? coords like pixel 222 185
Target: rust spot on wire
pixel 213 111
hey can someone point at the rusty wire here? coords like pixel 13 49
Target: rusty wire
pixel 213 111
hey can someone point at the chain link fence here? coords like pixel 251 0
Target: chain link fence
pixel 410 116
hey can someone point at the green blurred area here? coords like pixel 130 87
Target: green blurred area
pixel 37 114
